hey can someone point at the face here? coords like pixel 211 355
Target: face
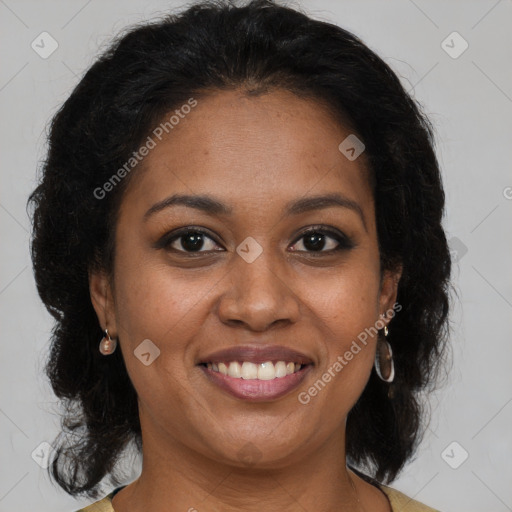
pixel 267 267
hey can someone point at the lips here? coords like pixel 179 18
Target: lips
pixel 264 383
pixel 256 355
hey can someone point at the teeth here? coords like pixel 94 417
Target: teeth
pixel 266 371
pixel 249 371
pixel 262 371
pixel 234 370
pixel 280 368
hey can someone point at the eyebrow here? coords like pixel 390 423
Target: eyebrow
pixel 212 206
pixel 324 201
pixel 204 203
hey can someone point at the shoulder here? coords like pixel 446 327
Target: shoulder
pixel 103 505
pixel 402 503
pixel 399 503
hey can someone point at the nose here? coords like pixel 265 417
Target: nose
pixel 259 295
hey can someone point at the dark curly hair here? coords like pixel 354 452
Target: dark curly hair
pixel 145 74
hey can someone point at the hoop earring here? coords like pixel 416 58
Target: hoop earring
pixel 107 344
pixel 384 365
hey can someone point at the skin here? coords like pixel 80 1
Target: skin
pixel 255 154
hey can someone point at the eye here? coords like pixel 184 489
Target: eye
pixel 316 239
pixel 320 239
pixel 188 240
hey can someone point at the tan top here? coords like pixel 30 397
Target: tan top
pixel 399 503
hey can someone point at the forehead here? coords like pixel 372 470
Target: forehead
pixel 256 149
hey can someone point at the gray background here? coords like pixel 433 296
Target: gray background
pixel 468 98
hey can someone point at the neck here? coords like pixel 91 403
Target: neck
pixel 176 478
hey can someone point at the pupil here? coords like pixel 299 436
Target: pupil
pixel 192 242
pixel 314 241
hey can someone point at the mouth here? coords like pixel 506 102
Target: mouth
pixel 256 373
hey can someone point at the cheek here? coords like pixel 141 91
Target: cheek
pixel 169 314
pixel 151 300
pixel 348 299
pixel 166 308
pixel 151 304
pixel 348 307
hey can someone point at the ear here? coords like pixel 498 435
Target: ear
pixel 102 299
pixel 388 291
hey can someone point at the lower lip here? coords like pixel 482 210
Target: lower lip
pixel 254 390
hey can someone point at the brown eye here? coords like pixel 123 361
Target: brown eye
pixel 188 241
pixel 323 240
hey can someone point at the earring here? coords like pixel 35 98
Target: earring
pixel 384 365
pixel 107 344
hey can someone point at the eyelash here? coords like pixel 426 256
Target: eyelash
pixel 344 242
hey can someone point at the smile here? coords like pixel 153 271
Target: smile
pixel 257 372
pixel 248 370
pixel 256 382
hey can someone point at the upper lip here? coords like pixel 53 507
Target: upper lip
pixel 256 355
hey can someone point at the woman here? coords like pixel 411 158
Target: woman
pixel 238 232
